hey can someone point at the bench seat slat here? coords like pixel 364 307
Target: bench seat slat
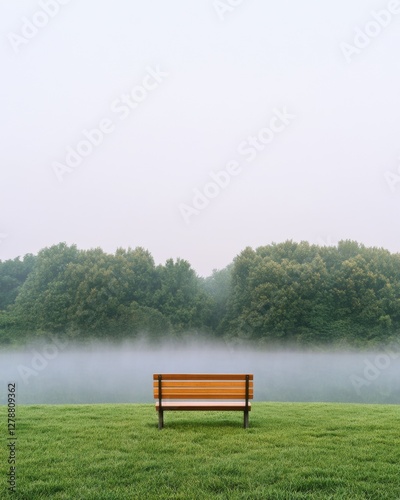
pixel 203 388
pixel 204 395
pixel 204 383
pixel 202 406
pixel 210 389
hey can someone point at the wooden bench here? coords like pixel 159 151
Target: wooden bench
pixel 191 392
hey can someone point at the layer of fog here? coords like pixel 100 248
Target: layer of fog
pixel 58 373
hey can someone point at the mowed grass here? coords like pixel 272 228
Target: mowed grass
pixel 291 451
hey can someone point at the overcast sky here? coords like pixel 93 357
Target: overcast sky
pixel 195 128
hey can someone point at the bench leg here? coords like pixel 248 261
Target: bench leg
pixel 246 419
pixel 160 420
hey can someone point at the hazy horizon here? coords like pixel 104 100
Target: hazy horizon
pixel 58 372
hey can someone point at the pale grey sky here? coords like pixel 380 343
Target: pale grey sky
pixel 298 103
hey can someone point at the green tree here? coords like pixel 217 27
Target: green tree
pixel 181 298
pixel 218 288
pixel 35 302
pixel 13 274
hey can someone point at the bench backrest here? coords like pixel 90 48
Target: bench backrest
pixel 203 386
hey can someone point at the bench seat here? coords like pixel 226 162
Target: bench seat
pixel 203 406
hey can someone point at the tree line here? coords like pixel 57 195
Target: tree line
pixel 286 293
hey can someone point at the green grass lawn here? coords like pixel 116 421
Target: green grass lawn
pixel 290 451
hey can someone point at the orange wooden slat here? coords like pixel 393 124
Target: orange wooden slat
pixel 202 383
pixel 204 395
pixel 189 394
pixel 195 390
pixel 198 387
pixel 202 376
pixel 220 390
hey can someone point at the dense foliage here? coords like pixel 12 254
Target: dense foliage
pixel 291 292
